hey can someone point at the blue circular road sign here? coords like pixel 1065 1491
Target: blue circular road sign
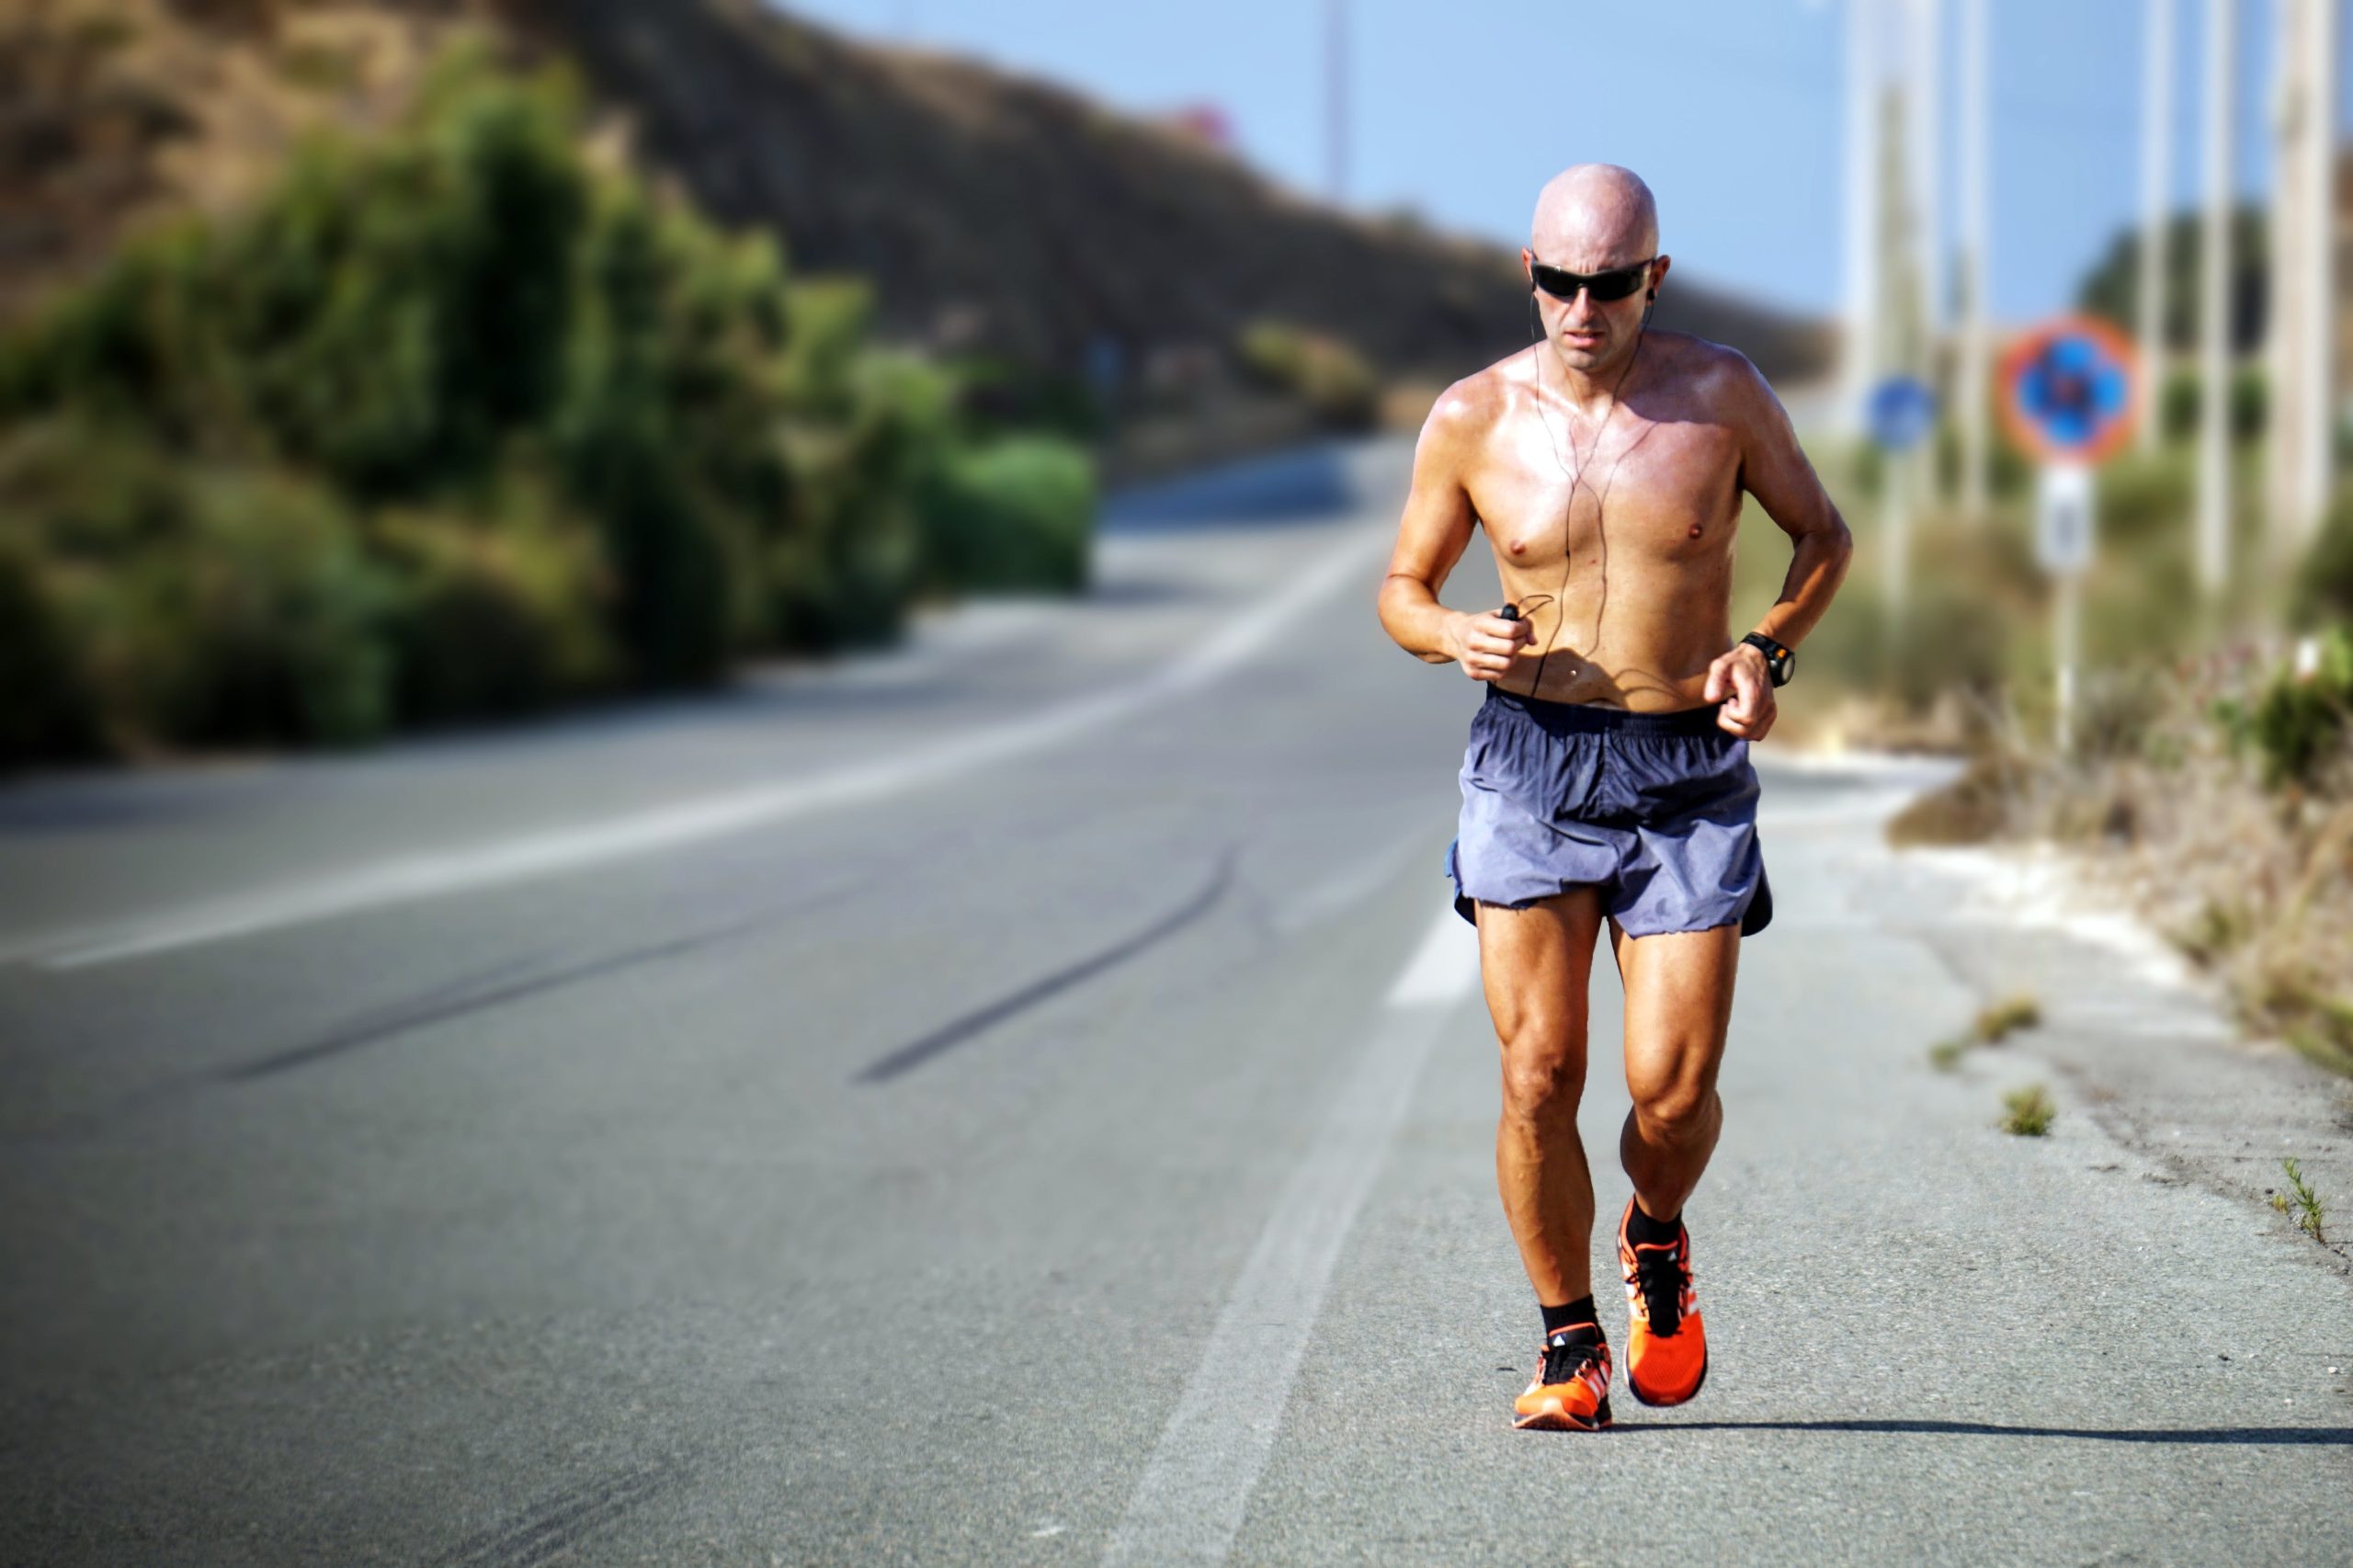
pixel 1901 413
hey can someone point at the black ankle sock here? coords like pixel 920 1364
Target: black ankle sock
pixel 1569 1315
pixel 1644 1231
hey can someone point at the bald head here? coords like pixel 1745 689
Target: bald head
pixel 1593 216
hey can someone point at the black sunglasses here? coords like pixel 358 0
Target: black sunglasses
pixel 1614 284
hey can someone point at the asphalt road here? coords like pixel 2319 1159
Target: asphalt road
pixel 1026 1100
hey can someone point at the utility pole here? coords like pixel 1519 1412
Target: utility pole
pixel 2156 172
pixel 1904 344
pixel 2317 475
pixel 2214 305
pixel 2285 345
pixel 1924 121
pixel 1335 97
pixel 1970 391
pixel 1861 367
pixel 2301 331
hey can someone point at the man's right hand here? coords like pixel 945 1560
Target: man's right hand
pixel 1484 645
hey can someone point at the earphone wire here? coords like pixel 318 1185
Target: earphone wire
pixel 1576 481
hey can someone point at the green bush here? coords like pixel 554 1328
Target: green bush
pixel 2299 722
pixel 1015 515
pixel 2324 590
pixel 193 602
pixel 844 573
pixel 453 423
pixel 2181 398
pixel 504 607
pixel 2146 498
pixel 46 713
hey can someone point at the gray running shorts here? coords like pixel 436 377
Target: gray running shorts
pixel 1656 810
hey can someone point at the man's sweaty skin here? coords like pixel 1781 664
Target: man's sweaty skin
pixel 1641 622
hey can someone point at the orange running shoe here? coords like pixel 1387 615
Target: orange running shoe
pixel 1667 1344
pixel 1571 1390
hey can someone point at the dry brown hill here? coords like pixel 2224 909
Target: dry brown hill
pixel 991 210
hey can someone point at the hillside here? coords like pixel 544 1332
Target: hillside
pixel 993 211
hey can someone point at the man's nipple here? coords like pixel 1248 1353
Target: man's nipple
pixel 1695 530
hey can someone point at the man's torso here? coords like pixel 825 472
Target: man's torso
pixel 1640 578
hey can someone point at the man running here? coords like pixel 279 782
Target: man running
pixel 1607 777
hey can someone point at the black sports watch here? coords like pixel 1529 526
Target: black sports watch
pixel 1780 664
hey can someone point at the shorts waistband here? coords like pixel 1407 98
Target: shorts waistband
pixel 1588 718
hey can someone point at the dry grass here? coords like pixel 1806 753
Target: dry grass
pixel 2028 1112
pixel 2171 823
pixel 2007 1017
pixel 1991 1027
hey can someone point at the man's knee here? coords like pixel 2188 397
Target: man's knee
pixel 1678 1094
pixel 1543 1078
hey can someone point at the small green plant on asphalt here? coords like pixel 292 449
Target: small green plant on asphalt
pixel 2007 1017
pixel 2300 1202
pixel 1990 1027
pixel 2027 1112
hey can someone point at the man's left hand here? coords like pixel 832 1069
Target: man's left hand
pixel 1741 675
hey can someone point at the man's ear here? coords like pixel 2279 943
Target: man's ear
pixel 1658 272
pixel 1528 266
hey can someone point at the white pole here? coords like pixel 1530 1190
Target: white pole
pixel 2156 170
pixel 2316 477
pixel 2214 305
pixel 1336 95
pixel 2064 646
pixel 1972 389
pixel 1896 514
pixel 1925 123
pixel 1861 348
pixel 2287 341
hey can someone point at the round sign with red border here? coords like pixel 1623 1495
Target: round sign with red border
pixel 2071 391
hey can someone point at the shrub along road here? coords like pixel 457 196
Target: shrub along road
pixel 1026 1098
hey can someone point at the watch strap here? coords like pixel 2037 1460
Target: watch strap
pixel 1780 662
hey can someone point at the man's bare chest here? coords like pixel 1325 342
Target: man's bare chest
pixel 1657 487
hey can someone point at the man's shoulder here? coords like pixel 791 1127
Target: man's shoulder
pixel 1480 398
pixel 1466 411
pixel 1704 364
pixel 1716 381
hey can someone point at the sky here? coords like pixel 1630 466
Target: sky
pixel 1732 110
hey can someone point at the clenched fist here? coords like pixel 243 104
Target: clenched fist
pixel 1484 645
pixel 1740 680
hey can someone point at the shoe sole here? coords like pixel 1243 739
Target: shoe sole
pixel 1636 1389
pixel 1554 1418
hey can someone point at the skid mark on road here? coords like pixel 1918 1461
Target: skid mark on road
pixel 1188 1504
pixel 390 1023
pixel 561 1524
pixel 913 1054
pixel 473 867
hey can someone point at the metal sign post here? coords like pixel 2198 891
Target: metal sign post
pixel 1903 412
pixel 2072 392
pixel 2063 547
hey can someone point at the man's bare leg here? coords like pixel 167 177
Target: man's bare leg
pixel 1536 963
pixel 1678 1008
pixel 1678 1004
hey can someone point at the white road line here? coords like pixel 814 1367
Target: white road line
pixel 1445 964
pixel 1188 1504
pixel 472 867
